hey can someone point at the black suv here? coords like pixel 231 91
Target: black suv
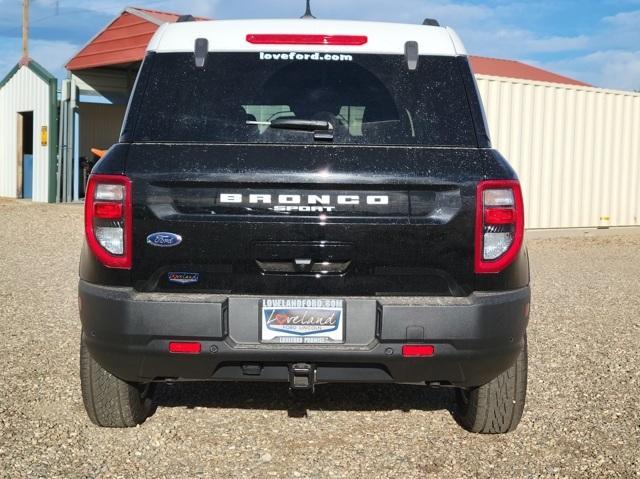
pixel 306 202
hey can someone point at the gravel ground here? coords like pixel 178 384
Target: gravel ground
pixel 581 420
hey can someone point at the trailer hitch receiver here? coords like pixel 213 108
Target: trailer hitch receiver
pixel 302 376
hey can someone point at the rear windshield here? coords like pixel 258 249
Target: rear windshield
pixel 356 99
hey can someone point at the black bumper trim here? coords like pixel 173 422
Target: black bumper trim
pixel 476 337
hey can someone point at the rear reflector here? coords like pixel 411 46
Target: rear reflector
pixel 418 350
pixel 185 347
pixel 304 39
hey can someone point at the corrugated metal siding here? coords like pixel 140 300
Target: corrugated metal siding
pixel 100 126
pixel 25 91
pixel 514 69
pixel 123 41
pixel 576 150
pixel 101 81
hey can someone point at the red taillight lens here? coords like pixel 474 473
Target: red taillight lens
pixel 108 211
pixel 185 347
pixel 108 220
pixel 306 39
pixel 499 224
pixel 499 216
pixel 418 350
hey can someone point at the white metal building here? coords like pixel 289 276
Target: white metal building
pixel 576 150
pixel 28 133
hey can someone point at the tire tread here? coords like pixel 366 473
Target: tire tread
pixel 108 400
pixel 496 407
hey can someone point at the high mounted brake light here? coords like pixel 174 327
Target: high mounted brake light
pixel 108 220
pixel 499 224
pixel 306 39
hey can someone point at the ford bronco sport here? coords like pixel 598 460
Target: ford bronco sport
pixel 309 202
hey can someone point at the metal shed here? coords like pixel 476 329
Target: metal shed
pixel 94 98
pixel 576 150
pixel 28 133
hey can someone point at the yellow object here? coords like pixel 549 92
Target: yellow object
pixel 44 136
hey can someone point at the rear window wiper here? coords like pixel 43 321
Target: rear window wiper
pixel 323 130
pixel 298 124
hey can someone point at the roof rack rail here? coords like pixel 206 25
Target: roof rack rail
pixel 185 18
pixel 432 22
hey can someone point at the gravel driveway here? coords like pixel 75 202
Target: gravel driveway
pixel 582 417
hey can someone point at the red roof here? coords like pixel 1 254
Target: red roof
pixel 515 69
pixel 123 41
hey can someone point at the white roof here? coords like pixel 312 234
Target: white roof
pixel 231 36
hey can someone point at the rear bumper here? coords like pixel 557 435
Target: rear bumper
pixel 476 337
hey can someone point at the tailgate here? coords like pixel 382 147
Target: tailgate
pixel 326 220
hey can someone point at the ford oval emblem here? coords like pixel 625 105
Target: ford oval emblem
pixel 164 240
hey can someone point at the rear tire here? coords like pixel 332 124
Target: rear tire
pixel 496 407
pixel 109 401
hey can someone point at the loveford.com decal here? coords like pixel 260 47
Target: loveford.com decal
pixel 335 57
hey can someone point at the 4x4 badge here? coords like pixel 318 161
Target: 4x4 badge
pixel 164 240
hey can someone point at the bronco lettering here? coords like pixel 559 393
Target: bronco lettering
pixel 296 199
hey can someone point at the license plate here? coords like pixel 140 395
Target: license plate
pixel 302 320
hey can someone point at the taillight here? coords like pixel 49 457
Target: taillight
pixel 499 224
pixel 306 39
pixel 108 220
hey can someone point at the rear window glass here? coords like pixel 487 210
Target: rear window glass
pixel 366 99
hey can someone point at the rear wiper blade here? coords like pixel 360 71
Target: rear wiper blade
pixel 304 125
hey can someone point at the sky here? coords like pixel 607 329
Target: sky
pixel 594 41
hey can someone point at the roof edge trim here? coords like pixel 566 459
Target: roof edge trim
pixel 90 41
pixel 40 71
pixel 144 15
pixel 565 86
pixel 9 75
